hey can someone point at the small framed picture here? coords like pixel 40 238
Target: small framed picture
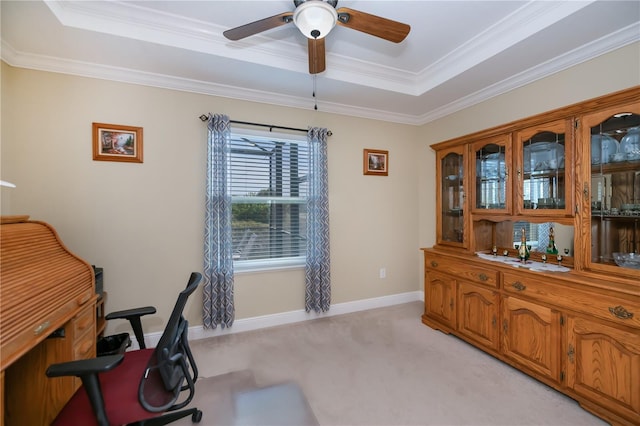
pixel 114 142
pixel 376 162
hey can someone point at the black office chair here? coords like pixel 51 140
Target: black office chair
pixel 142 386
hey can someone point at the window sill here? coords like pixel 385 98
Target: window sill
pixel 248 266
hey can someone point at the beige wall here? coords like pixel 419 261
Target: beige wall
pixel 143 222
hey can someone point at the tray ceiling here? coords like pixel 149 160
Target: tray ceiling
pixel 457 54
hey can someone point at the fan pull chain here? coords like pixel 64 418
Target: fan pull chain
pixel 315 100
pixel 315 75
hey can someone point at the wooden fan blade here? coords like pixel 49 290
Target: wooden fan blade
pixel 316 55
pixel 374 25
pixel 256 27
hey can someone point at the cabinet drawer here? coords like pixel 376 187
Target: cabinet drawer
pixel 622 311
pixel 476 274
pixel 84 320
pixel 84 347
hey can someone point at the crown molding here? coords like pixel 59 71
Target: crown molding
pixel 124 75
pixel 149 25
pixel 529 19
pixel 611 42
pixel 621 38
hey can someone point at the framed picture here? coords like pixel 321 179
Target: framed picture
pixel 113 142
pixel 376 162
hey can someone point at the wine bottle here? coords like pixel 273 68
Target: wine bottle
pixel 551 247
pixel 523 250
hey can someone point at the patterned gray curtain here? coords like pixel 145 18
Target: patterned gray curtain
pixel 218 253
pixel 317 273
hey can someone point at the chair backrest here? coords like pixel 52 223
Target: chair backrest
pixel 171 364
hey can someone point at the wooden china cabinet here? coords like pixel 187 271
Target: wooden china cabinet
pixel 544 214
pixel 491 172
pixel 450 220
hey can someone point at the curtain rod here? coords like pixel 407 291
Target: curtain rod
pixel 205 117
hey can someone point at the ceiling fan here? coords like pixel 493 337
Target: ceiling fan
pixel 315 19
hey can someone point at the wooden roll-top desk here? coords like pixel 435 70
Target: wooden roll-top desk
pixel 47 315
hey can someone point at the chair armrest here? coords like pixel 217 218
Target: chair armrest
pixel 133 315
pixel 135 312
pixel 87 370
pixel 85 366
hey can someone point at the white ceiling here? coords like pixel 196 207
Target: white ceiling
pixel 458 53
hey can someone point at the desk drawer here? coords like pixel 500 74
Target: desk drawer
pixel 458 268
pixel 622 311
pixel 84 321
pixel 84 333
pixel 84 347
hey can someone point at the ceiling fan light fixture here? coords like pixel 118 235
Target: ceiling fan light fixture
pixel 315 18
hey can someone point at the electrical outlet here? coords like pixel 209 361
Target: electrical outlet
pixel 383 273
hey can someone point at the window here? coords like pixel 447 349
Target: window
pixel 268 185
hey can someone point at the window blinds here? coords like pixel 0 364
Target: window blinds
pixel 268 188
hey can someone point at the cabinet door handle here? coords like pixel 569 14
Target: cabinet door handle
pixel 483 277
pixel 571 353
pixel 621 312
pixel 451 304
pixel 505 326
pixel 493 321
pixel 434 263
pixel 518 286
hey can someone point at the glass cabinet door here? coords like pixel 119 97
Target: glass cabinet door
pixel 542 180
pixel 451 226
pixel 612 189
pixel 490 167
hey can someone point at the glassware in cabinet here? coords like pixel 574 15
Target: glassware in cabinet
pixel 451 226
pixel 543 170
pixel 611 139
pixel 491 164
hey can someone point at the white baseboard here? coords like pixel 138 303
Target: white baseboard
pixel 264 321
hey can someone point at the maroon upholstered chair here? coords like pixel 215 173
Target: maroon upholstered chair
pixel 145 387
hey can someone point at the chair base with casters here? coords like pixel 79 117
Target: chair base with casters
pixel 141 387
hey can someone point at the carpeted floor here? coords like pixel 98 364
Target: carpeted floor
pixel 377 367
